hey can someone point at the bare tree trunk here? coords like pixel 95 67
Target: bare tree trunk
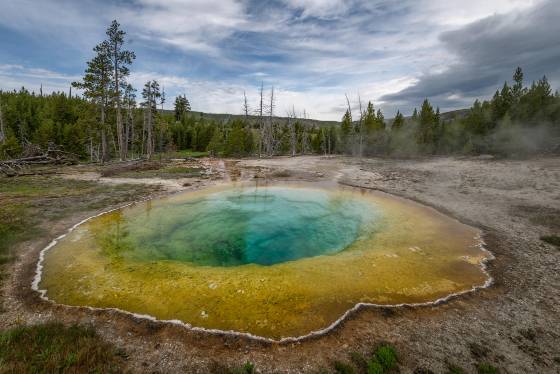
pixel 144 128
pixel 351 140
pixel 91 149
pixel 2 128
pixel 245 106
pixel 120 139
pixel 104 150
pixel 292 127
pixel 149 140
pixel 269 131
pixel 360 129
pixel 261 124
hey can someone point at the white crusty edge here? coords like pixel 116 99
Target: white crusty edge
pixel 332 326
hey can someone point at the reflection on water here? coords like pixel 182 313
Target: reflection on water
pixel 274 261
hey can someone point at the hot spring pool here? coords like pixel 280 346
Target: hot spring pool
pixel 273 261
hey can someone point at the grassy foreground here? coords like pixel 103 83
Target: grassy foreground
pixel 54 348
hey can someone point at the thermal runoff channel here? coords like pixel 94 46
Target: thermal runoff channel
pixel 273 261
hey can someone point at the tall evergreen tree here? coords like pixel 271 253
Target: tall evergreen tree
pixel 398 122
pixel 517 89
pixel 182 107
pixel 427 127
pixel 121 59
pixel 96 86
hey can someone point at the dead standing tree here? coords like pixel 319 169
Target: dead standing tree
pixel 260 113
pixel 293 131
pixel 269 138
pixel 360 128
pixel 305 141
pixel 245 107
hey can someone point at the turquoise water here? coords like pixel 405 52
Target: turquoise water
pixel 264 225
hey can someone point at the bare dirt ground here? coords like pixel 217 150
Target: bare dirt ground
pixel 515 324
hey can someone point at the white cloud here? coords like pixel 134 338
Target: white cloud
pixel 187 24
pixel 13 77
pixel 320 8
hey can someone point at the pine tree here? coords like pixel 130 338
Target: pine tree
pixel 96 86
pixel 380 120
pixel 517 89
pixel 398 122
pixel 120 59
pixel 371 124
pixel 427 127
pixel 346 126
pixel 415 115
pixel 182 107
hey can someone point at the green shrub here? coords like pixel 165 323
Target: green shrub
pixel 386 356
pixel 375 367
pixel 485 368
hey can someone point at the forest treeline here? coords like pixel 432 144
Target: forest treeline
pixel 109 121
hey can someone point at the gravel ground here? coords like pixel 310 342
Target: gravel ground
pixel 514 325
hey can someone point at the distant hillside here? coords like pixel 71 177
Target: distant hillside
pixel 224 117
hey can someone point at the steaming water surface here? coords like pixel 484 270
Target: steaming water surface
pixel 273 261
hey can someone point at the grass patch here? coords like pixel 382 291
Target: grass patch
pixel 383 360
pixel 15 222
pixel 375 367
pixel 551 239
pixel 386 355
pixel 359 360
pixel 343 368
pixel 247 368
pixel 154 170
pixel 54 348
pixel 454 369
pixel 186 153
pixel 485 368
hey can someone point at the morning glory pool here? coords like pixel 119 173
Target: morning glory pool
pixel 273 261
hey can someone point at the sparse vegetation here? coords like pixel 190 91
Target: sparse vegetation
pixel 375 367
pixel 359 360
pixel 383 360
pixel 343 368
pixel 54 348
pixel 454 369
pixel 551 239
pixel 386 355
pixel 247 368
pixel 485 368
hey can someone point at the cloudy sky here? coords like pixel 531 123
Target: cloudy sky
pixel 313 52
